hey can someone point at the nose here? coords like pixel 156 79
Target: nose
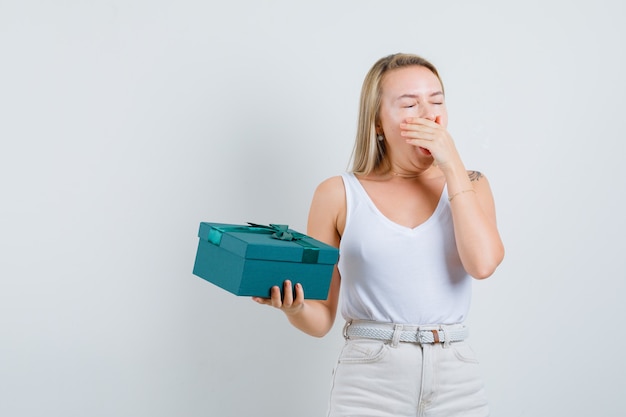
pixel 428 112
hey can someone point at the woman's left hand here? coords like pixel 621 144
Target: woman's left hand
pixel 430 136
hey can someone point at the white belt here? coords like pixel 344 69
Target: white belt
pixel 406 333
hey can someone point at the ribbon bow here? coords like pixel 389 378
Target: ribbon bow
pixel 281 231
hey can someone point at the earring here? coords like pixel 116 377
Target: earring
pixel 380 137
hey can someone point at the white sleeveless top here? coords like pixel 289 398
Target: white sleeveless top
pixel 394 274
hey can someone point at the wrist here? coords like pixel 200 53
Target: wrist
pixel 452 168
pixel 450 198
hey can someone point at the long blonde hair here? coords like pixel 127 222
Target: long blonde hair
pixel 369 153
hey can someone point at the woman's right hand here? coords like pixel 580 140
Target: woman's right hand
pixel 288 304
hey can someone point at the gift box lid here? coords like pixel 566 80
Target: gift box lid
pixel 273 243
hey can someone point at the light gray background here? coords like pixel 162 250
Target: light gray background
pixel 123 124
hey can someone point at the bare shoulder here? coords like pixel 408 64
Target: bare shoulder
pixel 475 175
pixel 331 188
pixel 330 196
pixel 481 185
pixel 327 212
pixel 478 179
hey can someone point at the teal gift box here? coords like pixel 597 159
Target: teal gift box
pixel 250 260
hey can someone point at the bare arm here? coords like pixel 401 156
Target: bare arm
pixel 473 210
pixel 474 216
pixel 316 317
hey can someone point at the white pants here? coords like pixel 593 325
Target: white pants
pixel 376 378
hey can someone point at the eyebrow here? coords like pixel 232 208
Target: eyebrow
pixel 436 93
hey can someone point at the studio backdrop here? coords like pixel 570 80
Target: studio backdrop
pixel 124 124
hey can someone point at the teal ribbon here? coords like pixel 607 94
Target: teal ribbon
pixel 310 254
pixel 280 231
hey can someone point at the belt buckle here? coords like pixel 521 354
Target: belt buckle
pixel 421 336
pixel 345 329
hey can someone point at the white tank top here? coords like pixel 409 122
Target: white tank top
pixel 394 274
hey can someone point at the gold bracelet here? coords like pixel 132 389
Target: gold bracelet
pixel 461 192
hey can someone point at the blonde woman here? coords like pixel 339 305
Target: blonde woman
pixel 413 226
